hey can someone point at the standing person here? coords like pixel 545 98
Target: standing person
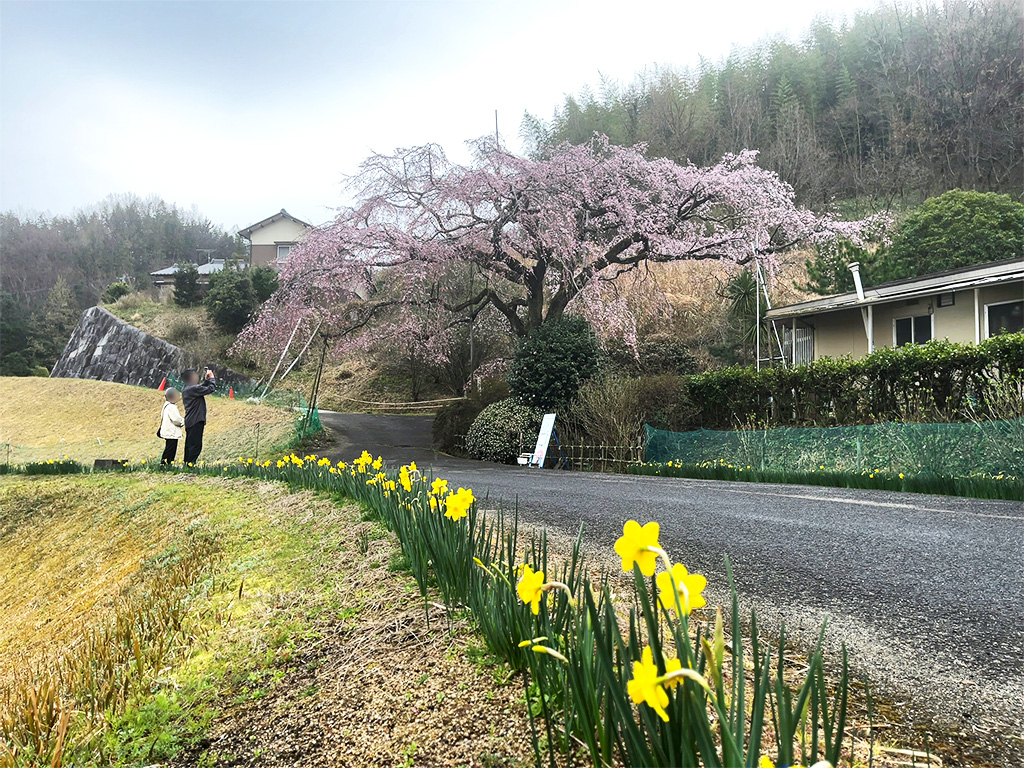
pixel 170 425
pixel 194 395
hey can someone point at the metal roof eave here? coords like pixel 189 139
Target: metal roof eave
pixel 850 301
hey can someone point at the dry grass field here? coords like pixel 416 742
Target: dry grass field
pixel 43 419
pixel 67 550
pixel 301 641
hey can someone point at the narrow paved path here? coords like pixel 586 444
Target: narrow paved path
pixel 926 591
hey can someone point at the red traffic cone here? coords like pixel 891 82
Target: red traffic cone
pixel 163 385
pixel 231 393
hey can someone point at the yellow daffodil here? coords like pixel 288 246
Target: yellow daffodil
pixel 645 686
pixel 531 588
pixel 767 762
pixel 405 479
pixel 456 505
pixel 433 503
pixel 672 665
pixel 378 462
pixel 635 546
pixel 439 487
pixel 687 585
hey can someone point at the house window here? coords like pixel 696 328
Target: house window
pixel 282 253
pixel 912 330
pixel 1007 317
pixel 803 351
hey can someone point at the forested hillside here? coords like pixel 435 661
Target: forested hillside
pixel 900 103
pixel 56 266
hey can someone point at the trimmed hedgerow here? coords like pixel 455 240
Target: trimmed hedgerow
pixel 940 380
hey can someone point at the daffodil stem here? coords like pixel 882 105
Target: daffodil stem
pixel 559 585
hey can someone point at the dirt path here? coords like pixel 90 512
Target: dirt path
pixel 366 682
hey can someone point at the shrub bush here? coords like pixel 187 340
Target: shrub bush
pixel 502 430
pixel 131 302
pixel 937 381
pixel 231 299
pixel 553 361
pixel 115 291
pixel 183 330
pixel 612 410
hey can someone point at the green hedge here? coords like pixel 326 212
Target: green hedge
pixel 940 380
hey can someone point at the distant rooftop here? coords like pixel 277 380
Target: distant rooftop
pixel 213 265
pixel 940 282
pixel 281 215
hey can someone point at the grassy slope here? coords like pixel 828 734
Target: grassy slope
pixel 49 418
pixel 61 569
pixel 302 625
pixel 72 549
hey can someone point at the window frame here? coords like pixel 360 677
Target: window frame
pixel 988 332
pixel 911 318
pixel 289 246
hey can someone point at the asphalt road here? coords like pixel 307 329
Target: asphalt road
pixel 926 591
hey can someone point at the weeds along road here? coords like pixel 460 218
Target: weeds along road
pixel 926 591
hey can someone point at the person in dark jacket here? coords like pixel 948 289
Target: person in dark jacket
pixel 193 395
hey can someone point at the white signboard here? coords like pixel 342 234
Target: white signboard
pixel 547 426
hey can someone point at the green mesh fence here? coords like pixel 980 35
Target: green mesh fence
pixel 992 447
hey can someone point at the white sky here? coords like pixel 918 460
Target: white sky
pixel 244 108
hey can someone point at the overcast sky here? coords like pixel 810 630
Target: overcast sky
pixel 242 108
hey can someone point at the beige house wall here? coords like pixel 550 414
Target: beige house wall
pixel 842 333
pixel 264 241
pixel 839 333
pixel 282 231
pixel 262 255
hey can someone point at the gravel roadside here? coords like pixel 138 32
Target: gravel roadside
pixel 926 591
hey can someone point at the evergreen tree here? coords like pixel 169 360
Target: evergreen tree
pixel 231 299
pixel 956 229
pixel 186 284
pixel 52 327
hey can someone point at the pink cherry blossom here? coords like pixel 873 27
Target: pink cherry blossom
pixel 432 243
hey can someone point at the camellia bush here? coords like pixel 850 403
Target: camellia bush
pixel 553 362
pixel 501 431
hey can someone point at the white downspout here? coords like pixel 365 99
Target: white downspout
pixel 854 267
pixel 977 318
pixel 867 316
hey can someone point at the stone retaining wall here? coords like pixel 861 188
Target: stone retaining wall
pixel 105 348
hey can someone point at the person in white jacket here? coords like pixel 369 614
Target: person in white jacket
pixel 171 423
